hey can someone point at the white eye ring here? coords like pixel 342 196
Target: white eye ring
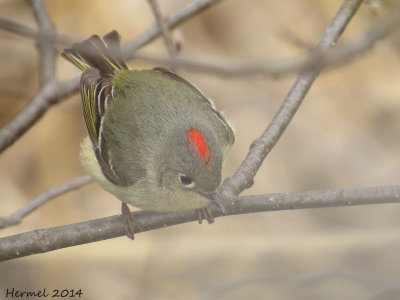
pixel 186 181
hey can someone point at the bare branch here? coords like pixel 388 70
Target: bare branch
pixel 49 88
pixel 42 199
pixel 321 58
pixel 163 28
pixel 19 29
pixel 45 240
pixel 345 51
pixel 244 176
pixel 32 33
pixel 52 93
pixel 47 51
pixel 179 17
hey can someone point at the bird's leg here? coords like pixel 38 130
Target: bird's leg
pixel 130 220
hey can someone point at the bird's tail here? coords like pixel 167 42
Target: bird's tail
pixel 104 54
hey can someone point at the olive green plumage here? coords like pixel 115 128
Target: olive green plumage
pixel 140 146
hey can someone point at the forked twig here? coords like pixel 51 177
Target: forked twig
pixel 244 176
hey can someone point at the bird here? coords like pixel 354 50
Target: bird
pixel 154 140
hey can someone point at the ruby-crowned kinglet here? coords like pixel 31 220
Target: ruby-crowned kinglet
pixel 155 141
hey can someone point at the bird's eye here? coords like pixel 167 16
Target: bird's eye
pixel 186 181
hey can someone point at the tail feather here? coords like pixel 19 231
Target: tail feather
pixel 113 42
pixel 104 55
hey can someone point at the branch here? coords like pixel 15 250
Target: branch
pixel 321 58
pixel 18 29
pixel 51 93
pixel 47 51
pixel 42 199
pixel 163 29
pixel 45 240
pixel 343 52
pixel 244 176
pixel 50 90
pixel 32 33
pixel 334 56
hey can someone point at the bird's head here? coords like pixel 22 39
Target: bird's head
pixel 192 165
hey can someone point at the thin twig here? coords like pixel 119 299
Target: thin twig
pixel 244 176
pixel 16 217
pixel 47 50
pixel 172 21
pixel 45 240
pixel 163 28
pixel 207 65
pixel 18 29
pixel 342 53
pixel 62 40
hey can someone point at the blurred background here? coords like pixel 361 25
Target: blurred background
pixel 345 135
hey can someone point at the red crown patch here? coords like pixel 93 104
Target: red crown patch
pixel 196 139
